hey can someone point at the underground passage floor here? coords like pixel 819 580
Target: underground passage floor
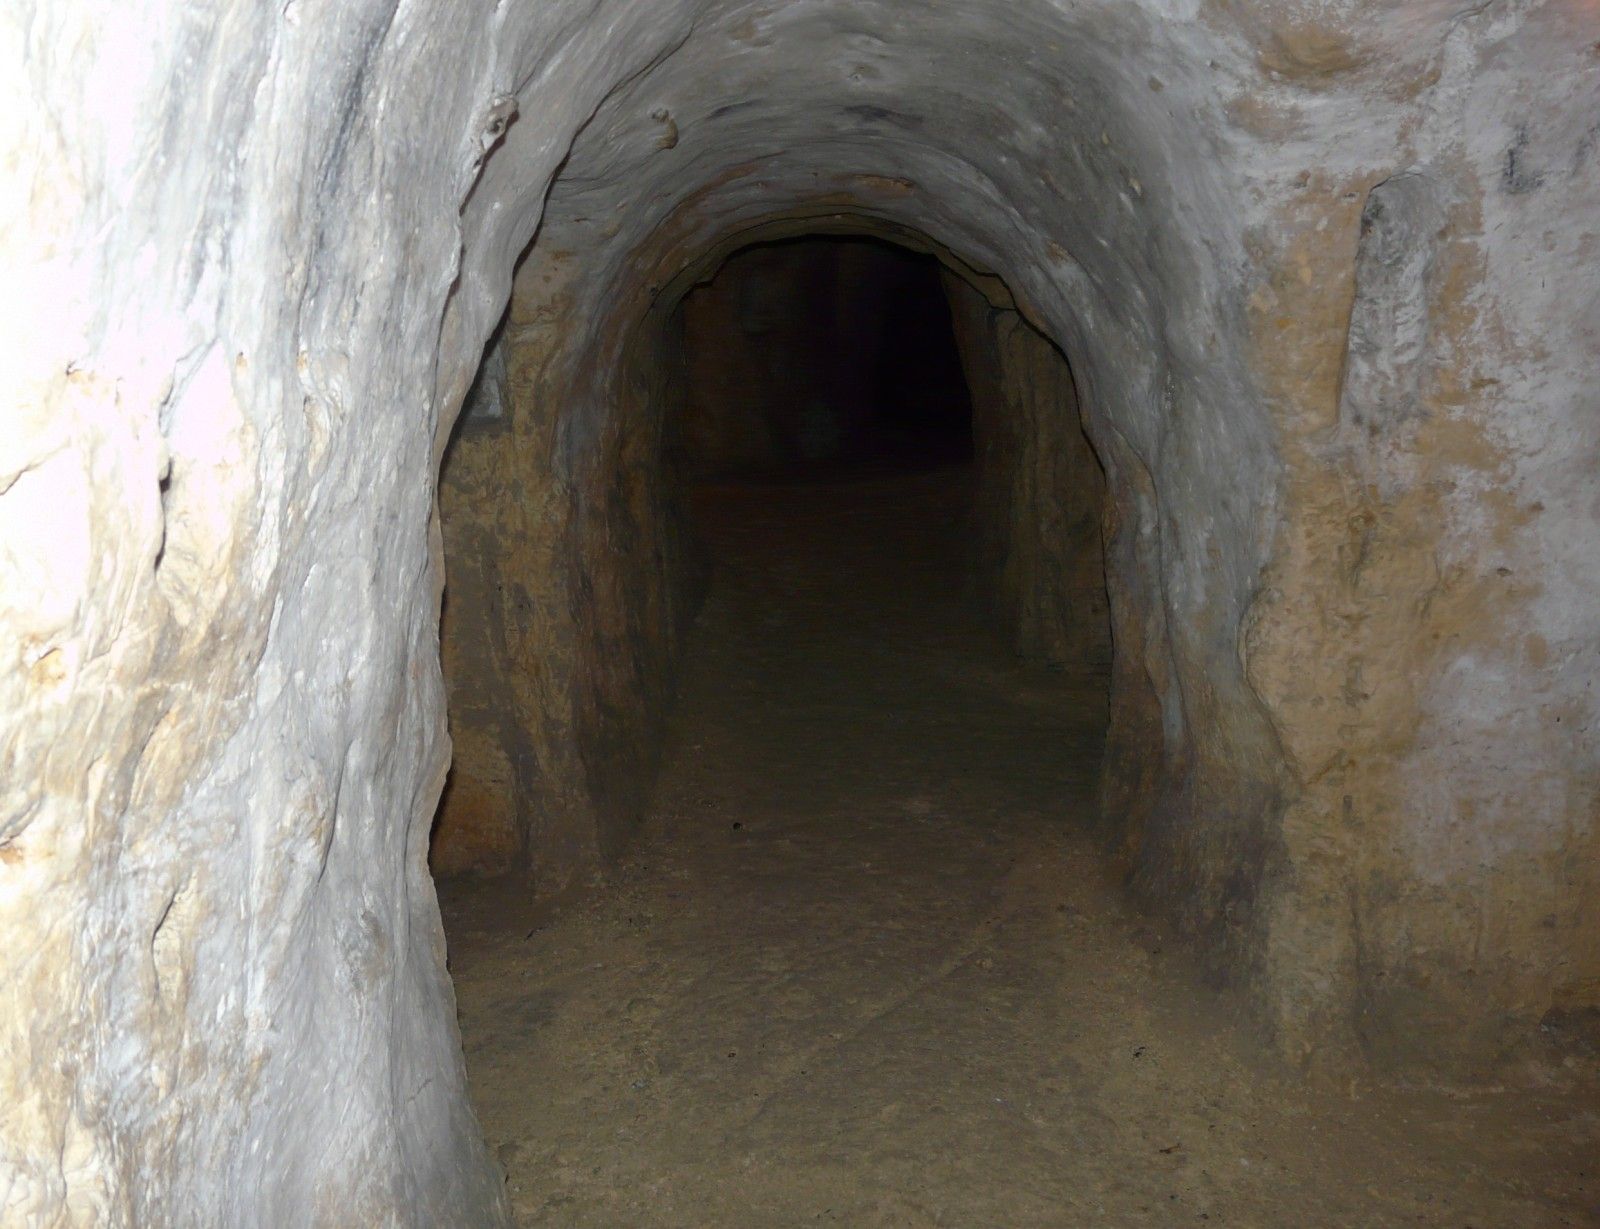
pixel 864 966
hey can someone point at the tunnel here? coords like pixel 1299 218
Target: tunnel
pixel 701 612
pixel 825 355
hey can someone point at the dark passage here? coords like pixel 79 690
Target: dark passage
pixel 863 964
pixel 813 354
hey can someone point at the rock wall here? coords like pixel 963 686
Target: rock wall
pixel 570 585
pixel 1040 491
pixel 1323 272
pixel 223 998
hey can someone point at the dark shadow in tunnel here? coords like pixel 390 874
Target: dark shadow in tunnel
pixel 830 357
pixel 821 356
pixel 788 370
pixel 897 520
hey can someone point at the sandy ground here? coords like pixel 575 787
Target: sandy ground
pixel 865 967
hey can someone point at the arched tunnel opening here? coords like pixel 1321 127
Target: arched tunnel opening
pixel 860 353
pixel 666 612
pixel 832 371
pixel 806 752
pixel 852 764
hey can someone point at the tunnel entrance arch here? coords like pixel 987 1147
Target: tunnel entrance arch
pixel 1192 774
pixel 555 753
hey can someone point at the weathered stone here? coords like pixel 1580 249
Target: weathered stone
pixel 253 257
pixel 1040 499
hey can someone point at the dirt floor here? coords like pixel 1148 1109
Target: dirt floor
pixel 864 967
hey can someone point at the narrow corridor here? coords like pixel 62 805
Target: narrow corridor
pixel 864 965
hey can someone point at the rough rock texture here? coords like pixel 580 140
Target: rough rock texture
pixel 1282 777
pixel 1324 274
pixel 223 998
pixel 1040 496
pixel 569 588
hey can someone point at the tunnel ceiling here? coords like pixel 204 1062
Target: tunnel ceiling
pixel 1077 152
pixel 1074 152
